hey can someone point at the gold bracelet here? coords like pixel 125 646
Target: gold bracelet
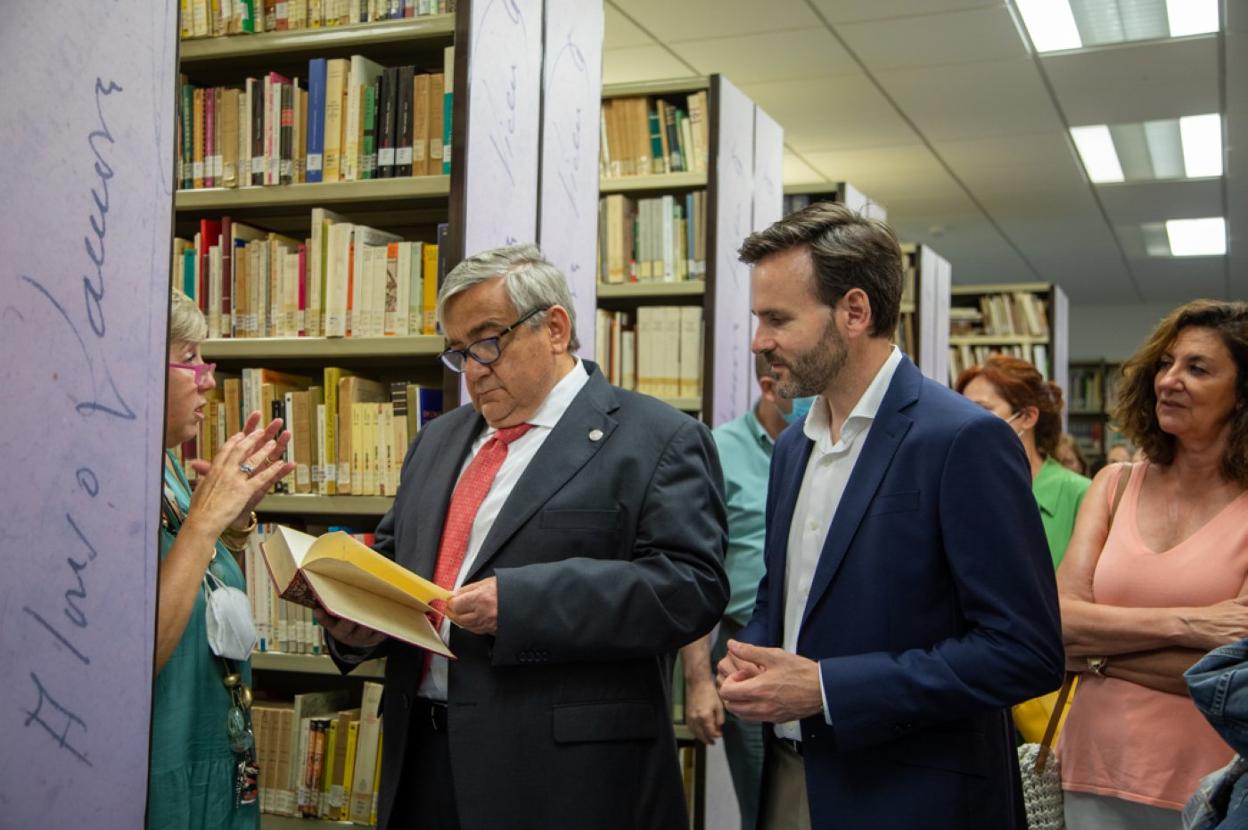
pixel 236 540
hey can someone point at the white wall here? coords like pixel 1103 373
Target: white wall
pixel 1111 332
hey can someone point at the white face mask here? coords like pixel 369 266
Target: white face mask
pixel 1010 420
pixel 231 630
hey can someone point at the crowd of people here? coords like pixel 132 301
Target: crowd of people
pixel 876 583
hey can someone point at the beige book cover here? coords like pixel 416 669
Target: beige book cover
pixel 353 582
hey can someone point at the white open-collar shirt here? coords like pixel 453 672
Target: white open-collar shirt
pixel 827 472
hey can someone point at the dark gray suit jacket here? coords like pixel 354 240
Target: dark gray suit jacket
pixel 608 556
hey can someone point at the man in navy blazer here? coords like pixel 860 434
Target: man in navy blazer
pixel 594 553
pixel 909 598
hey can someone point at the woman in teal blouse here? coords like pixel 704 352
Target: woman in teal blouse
pixel 193 770
pixel 1015 391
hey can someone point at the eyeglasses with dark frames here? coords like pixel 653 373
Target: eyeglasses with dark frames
pixel 201 370
pixel 487 350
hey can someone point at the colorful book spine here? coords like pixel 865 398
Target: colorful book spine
pixel 316 120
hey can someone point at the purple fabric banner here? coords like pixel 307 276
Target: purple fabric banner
pixel 87 130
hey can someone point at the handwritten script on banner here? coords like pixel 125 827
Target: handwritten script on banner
pixel 504 99
pixel 88 134
pixel 735 194
pixel 571 103
pixel 768 189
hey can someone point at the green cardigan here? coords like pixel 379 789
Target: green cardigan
pixel 1058 492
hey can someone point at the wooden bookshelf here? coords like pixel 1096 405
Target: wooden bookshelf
pixel 320 194
pixel 798 196
pixel 728 311
pixel 649 290
pixel 314 664
pixel 660 183
pixel 305 504
pixel 1026 320
pixel 323 348
pixel 1090 399
pixel 309 42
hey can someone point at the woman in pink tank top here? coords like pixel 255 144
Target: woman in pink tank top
pixel 1146 590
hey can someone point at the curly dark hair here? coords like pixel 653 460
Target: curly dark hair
pixel 848 250
pixel 1022 386
pixel 1136 411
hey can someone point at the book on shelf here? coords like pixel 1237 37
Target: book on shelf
pixel 343 280
pixel 348 119
pixel 657 350
pixel 353 582
pixel 963 356
pixel 1002 314
pixel 210 18
pixel 660 239
pixel 654 135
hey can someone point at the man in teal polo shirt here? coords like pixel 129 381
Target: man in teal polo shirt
pixel 744 445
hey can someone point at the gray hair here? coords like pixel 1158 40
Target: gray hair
pixel 186 321
pixel 530 279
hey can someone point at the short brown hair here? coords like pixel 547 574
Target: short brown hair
pixel 1022 386
pixel 849 251
pixel 1136 412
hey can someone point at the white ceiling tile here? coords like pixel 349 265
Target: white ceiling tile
pixel 1177 280
pixel 849 11
pixel 693 19
pixel 769 56
pixel 844 112
pixel 1024 163
pixel 622 32
pixel 797 171
pixel 912 164
pixel 986 34
pixel 640 63
pixel 971 100
pixel 1136 82
pixel 1139 202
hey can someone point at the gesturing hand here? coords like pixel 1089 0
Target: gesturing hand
pixel 261 464
pixel 475 607
pixel 775 686
pixel 227 492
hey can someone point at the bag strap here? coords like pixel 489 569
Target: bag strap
pixel 1046 743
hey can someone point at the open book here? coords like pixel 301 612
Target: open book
pixel 352 581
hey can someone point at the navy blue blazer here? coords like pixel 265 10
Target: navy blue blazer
pixel 933 610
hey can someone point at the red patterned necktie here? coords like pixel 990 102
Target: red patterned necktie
pixel 471 490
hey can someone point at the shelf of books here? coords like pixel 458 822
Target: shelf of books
pixel 1091 397
pixel 652 239
pixel 312 222
pixel 665 203
pixel 1025 320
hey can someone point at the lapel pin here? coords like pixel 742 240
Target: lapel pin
pixel 595 435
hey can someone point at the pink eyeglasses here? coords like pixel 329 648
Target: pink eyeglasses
pixel 201 370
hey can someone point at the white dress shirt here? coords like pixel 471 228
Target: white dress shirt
pixel 827 472
pixel 519 453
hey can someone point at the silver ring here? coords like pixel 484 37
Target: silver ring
pixel 246 468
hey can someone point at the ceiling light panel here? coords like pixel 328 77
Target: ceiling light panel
pixel 1202 145
pixel 1050 24
pixel 1192 17
pixel 1197 237
pixel 1056 25
pixel 1172 148
pixel 1096 148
